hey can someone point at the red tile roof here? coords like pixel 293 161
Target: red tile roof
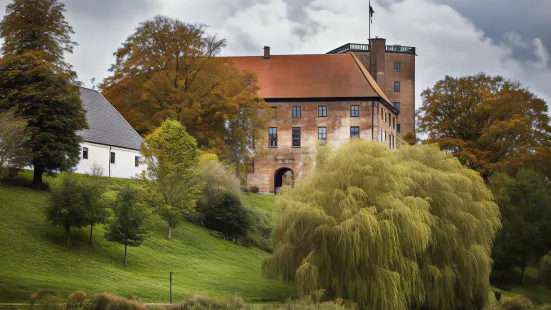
pixel 310 76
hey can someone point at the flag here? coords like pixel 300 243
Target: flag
pixel 371 12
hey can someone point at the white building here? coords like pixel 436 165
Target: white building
pixel 110 141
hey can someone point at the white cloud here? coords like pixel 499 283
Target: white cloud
pixel 447 43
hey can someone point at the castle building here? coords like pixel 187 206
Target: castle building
pixel 363 91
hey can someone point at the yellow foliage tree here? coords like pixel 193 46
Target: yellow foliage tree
pixel 388 229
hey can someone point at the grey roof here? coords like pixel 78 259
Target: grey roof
pixel 106 124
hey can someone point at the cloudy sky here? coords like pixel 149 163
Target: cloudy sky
pixel 454 37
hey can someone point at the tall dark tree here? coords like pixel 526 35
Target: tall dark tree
pixel 525 207
pixel 39 84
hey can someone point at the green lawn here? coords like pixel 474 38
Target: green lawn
pixel 34 255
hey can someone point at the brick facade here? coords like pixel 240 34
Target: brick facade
pixel 337 122
pixel 337 83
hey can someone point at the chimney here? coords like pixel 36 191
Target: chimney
pixel 266 52
pixel 377 60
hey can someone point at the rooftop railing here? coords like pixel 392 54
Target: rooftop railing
pixel 357 47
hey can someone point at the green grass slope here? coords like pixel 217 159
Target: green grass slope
pixel 34 255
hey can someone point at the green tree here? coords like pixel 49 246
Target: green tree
pixel 66 207
pixel 36 81
pixel 544 269
pixel 488 122
pixel 171 179
pixel 13 136
pixel 525 206
pixel 95 205
pixel 225 213
pixel 404 229
pixel 127 226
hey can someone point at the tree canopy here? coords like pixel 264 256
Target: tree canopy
pixel 525 206
pixel 489 122
pixel 36 81
pixel 168 69
pixel 13 138
pixel 171 179
pixel 388 229
pixel 128 225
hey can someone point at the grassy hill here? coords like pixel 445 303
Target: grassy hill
pixel 34 255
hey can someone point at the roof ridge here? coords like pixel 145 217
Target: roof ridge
pixel 376 87
pixel 112 107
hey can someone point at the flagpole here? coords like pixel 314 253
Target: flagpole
pixel 369 21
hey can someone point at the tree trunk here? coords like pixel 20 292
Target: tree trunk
pixel 68 236
pixel 37 177
pixel 125 246
pixel 91 226
pixel 169 231
pixel 522 272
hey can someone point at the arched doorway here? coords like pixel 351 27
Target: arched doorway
pixel 283 175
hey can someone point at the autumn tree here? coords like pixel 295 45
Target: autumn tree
pixel 405 229
pixel 128 225
pixel 168 69
pixel 13 138
pixel 490 123
pixel 39 84
pixel 171 179
pixel 66 206
pixel 525 206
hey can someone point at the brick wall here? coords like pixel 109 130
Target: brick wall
pixel 337 123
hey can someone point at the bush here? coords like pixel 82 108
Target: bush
pixel 45 299
pixel 254 189
pixel 517 302
pixel 205 302
pixel 224 214
pixel 76 300
pixel 106 301
pixel 216 178
pixel 544 269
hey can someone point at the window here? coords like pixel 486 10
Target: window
pixel 354 111
pixel 397 106
pixel 296 112
pixel 296 136
pixel 322 111
pixel 251 166
pixel 272 133
pixel 322 135
pixel 354 131
pixel 397 127
pixel 85 152
pixel 382 113
pixel 396 66
pixel 136 161
pixel 396 86
pixel 112 157
pixel 274 112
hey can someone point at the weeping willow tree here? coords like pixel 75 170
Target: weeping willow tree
pixel 410 228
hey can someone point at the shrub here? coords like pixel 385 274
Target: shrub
pixel 76 300
pixel 517 302
pixel 45 299
pixel 205 302
pixel 544 269
pixel 254 189
pixel 225 214
pixel 106 301
pixel 216 178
